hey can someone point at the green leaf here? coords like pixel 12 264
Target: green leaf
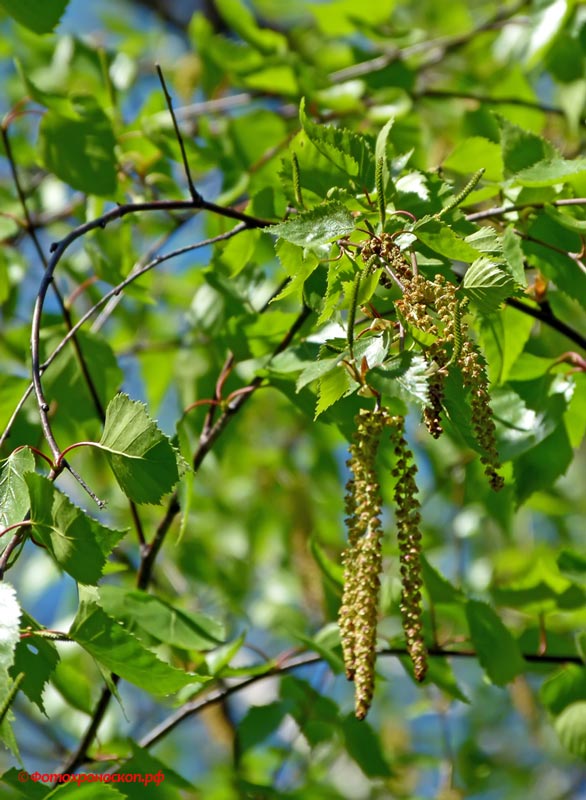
pixel 339 273
pixel 220 658
pixel 317 370
pixel 37 658
pixel 324 223
pixel 347 150
pixel 332 386
pixel 521 428
pixel 67 386
pixel 167 624
pixel 14 499
pixel 382 141
pixel 341 17
pixel 257 335
pixel 540 467
pixel 487 284
pixel 260 722
pixel 88 791
pixel 78 543
pixel 565 220
pixel 558 267
pixel 142 459
pixel 365 748
pixel 75 682
pixel 326 643
pixel 561 690
pixel 298 262
pixel 570 726
pixel 332 571
pixel 573 565
pixel 29 791
pixel 80 151
pixel 241 21
pixel 122 653
pixel 440 590
pixel 441 674
pixel 165 782
pixel 443 240
pixel 498 652
pixel 473 153
pixel 513 253
pixel 503 335
pixel 551 171
pixel 403 378
pixel 316 715
pixel 39 16
pixel 521 149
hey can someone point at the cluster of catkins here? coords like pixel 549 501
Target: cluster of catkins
pixel 433 307
pixel 362 559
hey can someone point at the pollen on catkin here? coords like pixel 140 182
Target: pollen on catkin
pixel 434 307
pixel 362 559
pixel 408 519
pixel 475 379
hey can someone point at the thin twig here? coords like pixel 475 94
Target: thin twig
pixel 116 291
pixel 441 46
pixel 58 250
pixel 306 659
pixel 195 195
pixel 16 540
pixel 499 211
pixel 30 228
pixel 149 552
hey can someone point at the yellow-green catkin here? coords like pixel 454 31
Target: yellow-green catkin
pixel 408 519
pixel 362 559
pixel 433 306
pixel 475 379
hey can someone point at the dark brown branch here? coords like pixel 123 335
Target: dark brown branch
pixel 195 195
pixel 305 659
pixel 150 552
pixel 59 249
pixel 545 314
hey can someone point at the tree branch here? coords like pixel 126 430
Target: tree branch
pixel 150 552
pixel 545 314
pixel 305 659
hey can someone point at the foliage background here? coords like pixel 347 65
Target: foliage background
pixel 252 558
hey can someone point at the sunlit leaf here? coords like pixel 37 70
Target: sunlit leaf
pixel 14 499
pixel 170 625
pixel 39 16
pixel 571 728
pixel 122 653
pixel 315 227
pixel 78 543
pixel 36 658
pixel 487 284
pixel 142 458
